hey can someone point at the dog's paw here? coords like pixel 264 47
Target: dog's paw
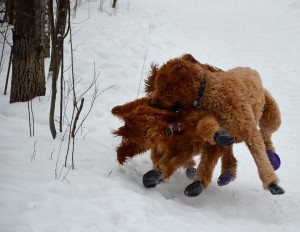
pixel 190 172
pixel 225 178
pixel 194 189
pixel 275 189
pixel 152 178
pixel 223 138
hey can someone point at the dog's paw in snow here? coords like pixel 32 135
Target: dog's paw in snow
pixel 275 189
pixel 152 178
pixel 194 189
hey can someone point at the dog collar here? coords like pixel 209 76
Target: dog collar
pixel 201 89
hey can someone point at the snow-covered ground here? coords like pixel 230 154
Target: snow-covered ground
pixel 100 195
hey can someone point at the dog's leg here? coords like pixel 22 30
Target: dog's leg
pixel 266 173
pixel 164 166
pixel 209 158
pixel 269 123
pixel 170 162
pixel 228 170
pixel 154 176
pixel 190 170
pixel 209 130
pixel 128 150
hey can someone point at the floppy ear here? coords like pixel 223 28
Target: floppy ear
pixel 122 110
pixel 149 82
pixel 207 67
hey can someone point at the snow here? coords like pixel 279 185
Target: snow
pixel 101 195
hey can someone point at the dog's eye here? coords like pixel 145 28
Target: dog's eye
pixel 176 107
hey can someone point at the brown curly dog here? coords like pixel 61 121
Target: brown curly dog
pixel 174 139
pixel 236 98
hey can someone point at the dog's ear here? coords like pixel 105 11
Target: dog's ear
pixel 207 67
pixel 149 82
pixel 122 110
pixel 190 58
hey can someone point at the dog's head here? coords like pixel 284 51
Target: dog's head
pixel 175 85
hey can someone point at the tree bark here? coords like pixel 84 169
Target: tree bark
pixel 62 13
pixel 46 29
pixel 28 77
pixel 10 11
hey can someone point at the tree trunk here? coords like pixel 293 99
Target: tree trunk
pixel 57 36
pixel 10 11
pixel 54 70
pixel 114 4
pixel 62 13
pixel 28 77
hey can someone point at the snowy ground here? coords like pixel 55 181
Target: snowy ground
pixel 100 195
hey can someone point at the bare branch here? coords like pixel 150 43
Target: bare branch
pixel 142 74
pixel 77 117
pixel 34 152
pixel 52 154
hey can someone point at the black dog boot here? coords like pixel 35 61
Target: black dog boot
pixel 275 189
pixel 223 138
pixel 190 172
pixel 152 178
pixel 194 189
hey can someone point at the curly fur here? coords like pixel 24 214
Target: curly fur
pixel 235 97
pixel 144 129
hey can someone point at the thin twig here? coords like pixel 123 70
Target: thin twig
pixel 34 152
pixel 73 150
pixel 77 117
pixel 95 95
pixel 87 134
pixel 142 74
pixel 52 154
pixel 55 171
pixel 3 47
pixel 29 120
pixel 64 178
pixel 73 91
pixel 32 117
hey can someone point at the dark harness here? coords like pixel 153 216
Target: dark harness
pixel 201 89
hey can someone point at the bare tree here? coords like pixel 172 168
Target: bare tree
pixel 58 35
pixel 28 77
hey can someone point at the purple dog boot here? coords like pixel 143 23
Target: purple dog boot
pixel 274 159
pixel 225 178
